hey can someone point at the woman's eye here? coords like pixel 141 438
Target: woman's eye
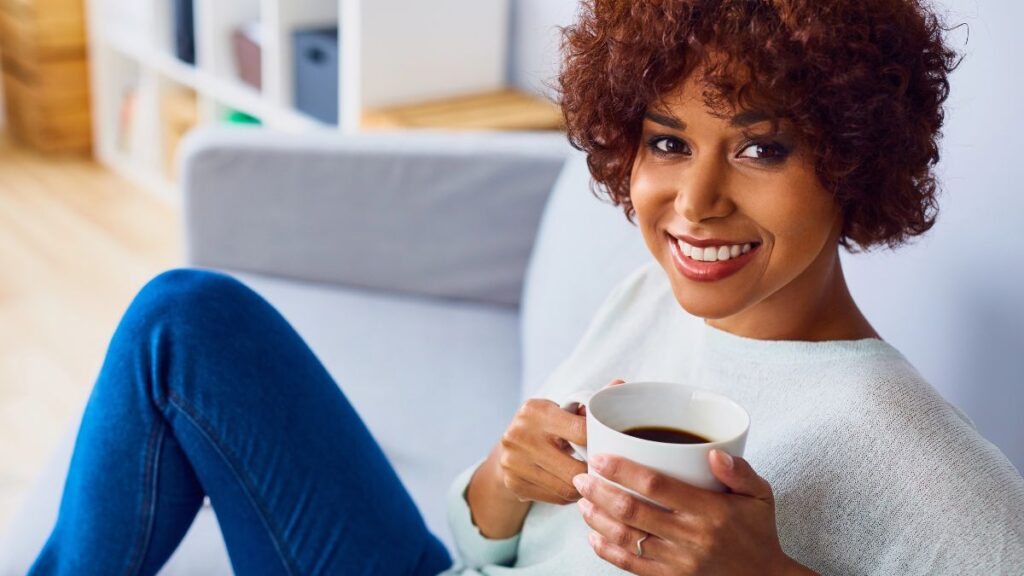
pixel 665 146
pixel 764 152
pixel 767 152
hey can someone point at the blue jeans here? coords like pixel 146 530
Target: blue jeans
pixel 207 390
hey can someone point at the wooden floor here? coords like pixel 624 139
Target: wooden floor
pixel 76 243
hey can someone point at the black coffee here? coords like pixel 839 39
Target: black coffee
pixel 666 434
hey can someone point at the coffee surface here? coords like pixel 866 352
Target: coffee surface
pixel 666 434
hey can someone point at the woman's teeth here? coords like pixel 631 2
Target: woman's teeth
pixel 712 253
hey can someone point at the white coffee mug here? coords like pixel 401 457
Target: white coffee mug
pixel 623 406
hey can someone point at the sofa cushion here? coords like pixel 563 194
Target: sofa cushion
pixel 435 381
pixel 585 245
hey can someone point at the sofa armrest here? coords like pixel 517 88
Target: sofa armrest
pixel 430 213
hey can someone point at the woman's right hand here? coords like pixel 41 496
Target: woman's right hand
pixel 536 462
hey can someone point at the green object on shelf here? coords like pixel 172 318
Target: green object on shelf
pixel 237 117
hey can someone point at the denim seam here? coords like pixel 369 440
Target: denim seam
pixel 200 425
pixel 150 475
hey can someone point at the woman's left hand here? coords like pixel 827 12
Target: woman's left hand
pixel 705 532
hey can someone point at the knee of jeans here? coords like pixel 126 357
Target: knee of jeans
pixel 186 297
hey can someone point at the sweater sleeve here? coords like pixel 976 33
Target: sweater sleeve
pixel 905 485
pixel 474 548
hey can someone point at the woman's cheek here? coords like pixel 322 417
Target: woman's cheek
pixel 644 201
pixel 793 214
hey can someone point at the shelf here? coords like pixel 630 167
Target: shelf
pixel 229 91
pixel 497 110
pixel 387 59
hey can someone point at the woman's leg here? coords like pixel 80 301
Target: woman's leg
pixel 207 389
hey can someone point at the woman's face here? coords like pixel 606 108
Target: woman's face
pixel 730 181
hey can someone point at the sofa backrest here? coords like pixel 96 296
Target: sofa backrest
pixel 453 214
pixel 584 247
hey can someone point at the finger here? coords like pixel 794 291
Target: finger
pixel 626 508
pixel 626 559
pixel 738 475
pixel 560 462
pixel 565 424
pixel 622 535
pixel 560 489
pixel 557 468
pixel 660 487
pixel 526 489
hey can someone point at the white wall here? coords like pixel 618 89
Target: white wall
pixel 534 53
pixel 953 303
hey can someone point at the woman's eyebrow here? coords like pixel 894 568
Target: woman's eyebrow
pixel 745 118
pixel 670 121
pixel 748 117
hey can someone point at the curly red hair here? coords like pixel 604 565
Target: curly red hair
pixel 862 81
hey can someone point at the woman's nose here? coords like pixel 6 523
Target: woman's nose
pixel 702 192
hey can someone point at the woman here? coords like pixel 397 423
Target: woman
pixel 750 140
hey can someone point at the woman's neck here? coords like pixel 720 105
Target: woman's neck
pixel 816 306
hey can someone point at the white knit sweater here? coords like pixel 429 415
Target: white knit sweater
pixel 873 472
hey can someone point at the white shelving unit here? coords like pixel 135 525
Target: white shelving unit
pixel 391 52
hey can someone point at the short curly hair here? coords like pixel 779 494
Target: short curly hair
pixel 862 81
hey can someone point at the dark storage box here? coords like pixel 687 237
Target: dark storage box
pixel 184 31
pixel 316 73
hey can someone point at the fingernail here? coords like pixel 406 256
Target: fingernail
pixel 725 457
pixel 592 537
pixel 585 505
pixel 599 461
pixel 581 481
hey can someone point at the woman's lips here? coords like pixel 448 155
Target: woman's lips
pixel 708 271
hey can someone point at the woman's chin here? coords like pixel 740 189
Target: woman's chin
pixel 709 307
pixel 709 300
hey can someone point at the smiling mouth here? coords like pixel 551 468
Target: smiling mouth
pixel 718 253
pixel 734 257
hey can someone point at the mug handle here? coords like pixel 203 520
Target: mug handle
pixel 572 404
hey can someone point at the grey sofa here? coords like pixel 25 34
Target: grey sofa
pixel 440 278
